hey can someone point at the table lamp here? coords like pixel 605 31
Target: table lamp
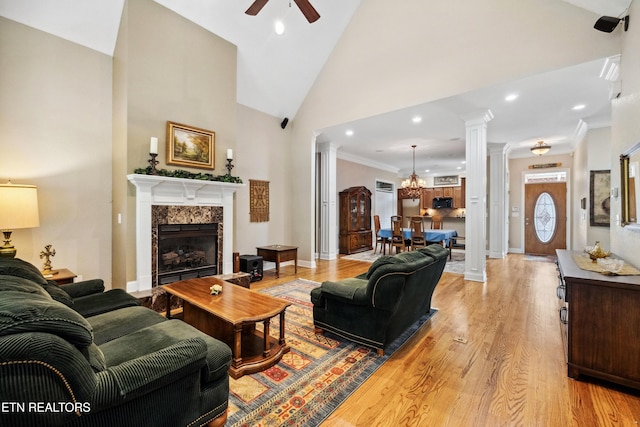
pixel 18 209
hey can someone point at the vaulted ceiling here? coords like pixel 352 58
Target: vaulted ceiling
pixel 275 73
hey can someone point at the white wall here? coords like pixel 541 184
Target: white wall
pixel 397 54
pixel 599 158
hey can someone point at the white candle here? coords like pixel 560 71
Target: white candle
pixel 229 154
pixel 153 148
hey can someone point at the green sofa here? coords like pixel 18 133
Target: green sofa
pixel 125 366
pixel 375 308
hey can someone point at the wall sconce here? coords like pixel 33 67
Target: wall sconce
pixel 18 209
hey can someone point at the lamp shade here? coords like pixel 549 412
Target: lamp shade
pixel 18 206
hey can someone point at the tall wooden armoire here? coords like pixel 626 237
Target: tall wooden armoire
pixel 355 220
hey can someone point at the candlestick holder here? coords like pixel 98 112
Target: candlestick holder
pixel 229 166
pixel 153 162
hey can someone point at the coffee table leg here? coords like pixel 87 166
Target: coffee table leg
pixel 282 341
pixel 237 345
pixel 277 265
pixel 267 347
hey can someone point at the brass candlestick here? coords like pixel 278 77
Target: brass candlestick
pixel 229 166
pixel 153 162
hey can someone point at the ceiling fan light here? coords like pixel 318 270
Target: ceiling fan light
pixel 540 148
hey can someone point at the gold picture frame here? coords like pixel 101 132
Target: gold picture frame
pixel 190 146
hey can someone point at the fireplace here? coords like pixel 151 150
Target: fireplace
pixel 186 251
pixel 177 201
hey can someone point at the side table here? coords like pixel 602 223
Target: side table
pixel 62 276
pixel 278 254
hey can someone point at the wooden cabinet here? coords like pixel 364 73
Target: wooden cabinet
pixel 603 323
pixel 355 220
pixel 458 193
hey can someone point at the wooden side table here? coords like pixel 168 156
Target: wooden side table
pixel 62 276
pixel 278 254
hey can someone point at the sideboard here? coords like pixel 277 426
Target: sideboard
pixel 603 322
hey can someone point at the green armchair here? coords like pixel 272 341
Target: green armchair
pixel 375 308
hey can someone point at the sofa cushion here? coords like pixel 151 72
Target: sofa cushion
pixel 20 284
pixel 20 268
pixel 57 293
pixel 383 260
pixel 95 357
pixel 94 304
pixel 41 314
pixel 163 335
pixel 117 323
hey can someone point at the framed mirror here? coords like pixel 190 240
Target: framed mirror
pixel 629 185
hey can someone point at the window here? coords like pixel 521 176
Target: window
pixel 545 218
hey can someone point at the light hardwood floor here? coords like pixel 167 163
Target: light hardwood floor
pixel 509 369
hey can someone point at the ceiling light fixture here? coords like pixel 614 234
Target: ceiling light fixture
pixel 540 148
pixel 413 185
pixel 416 119
pixel 511 97
pixel 349 132
pixel 279 27
pixel 578 107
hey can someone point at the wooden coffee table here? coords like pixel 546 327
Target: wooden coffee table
pixel 231 317
pixel 279 253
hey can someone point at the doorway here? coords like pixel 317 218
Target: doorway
pixel 545 220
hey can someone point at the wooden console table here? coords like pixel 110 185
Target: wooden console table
pixel 278 254
pixel 603 323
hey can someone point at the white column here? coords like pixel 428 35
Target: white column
pixel 476 196
pixel 498 188
pixel 328 196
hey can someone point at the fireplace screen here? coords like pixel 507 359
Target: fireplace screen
pixel 187 251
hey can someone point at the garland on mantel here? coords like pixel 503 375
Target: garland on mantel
pixel 189 175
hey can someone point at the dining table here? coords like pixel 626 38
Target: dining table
pixel 444 236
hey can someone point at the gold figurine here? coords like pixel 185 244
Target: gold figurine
pixel 48 252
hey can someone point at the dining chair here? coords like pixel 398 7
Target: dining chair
pixel 379 240
pixel 436 223
pixel 397 235
pixel 418 239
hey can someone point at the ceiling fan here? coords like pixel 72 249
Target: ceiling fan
pixel 307 10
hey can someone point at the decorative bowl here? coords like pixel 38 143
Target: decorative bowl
pixel 596 252
pixel 611 265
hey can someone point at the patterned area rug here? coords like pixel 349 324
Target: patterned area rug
pixel 454 265
pixel 313 379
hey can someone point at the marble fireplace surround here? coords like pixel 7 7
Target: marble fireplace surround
pixel 153 190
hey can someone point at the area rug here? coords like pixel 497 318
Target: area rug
pixel 314 378
pixel 454 265
pixel 540 258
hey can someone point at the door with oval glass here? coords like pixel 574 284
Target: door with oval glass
pixel 545 221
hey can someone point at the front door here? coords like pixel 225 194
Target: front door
pixel 545 222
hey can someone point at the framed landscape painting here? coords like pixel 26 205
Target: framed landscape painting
pixel 190 146
pixel 446 180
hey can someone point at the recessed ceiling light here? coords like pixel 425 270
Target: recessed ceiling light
pixel 578 107
pixel 464 162
pixel 349 132
pixel 279 27
pixel 416 119
pixel 511 97
pixel 459 167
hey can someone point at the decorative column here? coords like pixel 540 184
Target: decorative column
pixel 476 196
pixel 498 194
pixel 328 205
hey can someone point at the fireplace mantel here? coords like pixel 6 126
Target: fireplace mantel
pixel 159 190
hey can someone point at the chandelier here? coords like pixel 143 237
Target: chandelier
pixel 413 185
pixel 540 148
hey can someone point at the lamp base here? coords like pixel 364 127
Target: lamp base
pixel 7 250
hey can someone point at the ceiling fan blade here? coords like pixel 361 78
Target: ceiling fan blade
pixel 256 7
pixel 307 10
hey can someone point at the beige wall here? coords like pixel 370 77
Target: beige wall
pixel 55 117
pixel 626 133
pixel 186 75
pixel 599 158
pixel 418 58
pixel 261 153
